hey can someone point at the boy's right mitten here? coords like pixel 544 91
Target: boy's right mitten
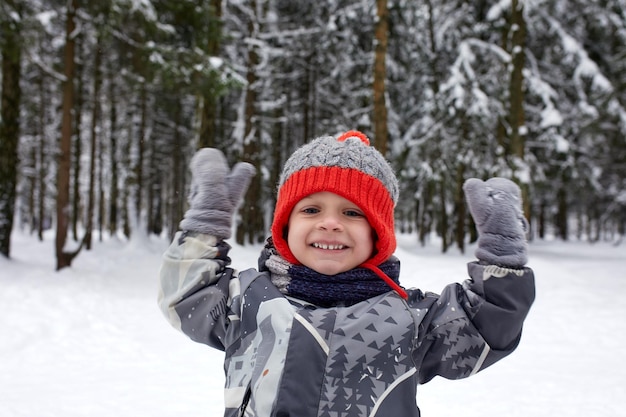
pixel 496 206
pixel 215 193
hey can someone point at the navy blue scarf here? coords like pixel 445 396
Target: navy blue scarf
pixel 346 288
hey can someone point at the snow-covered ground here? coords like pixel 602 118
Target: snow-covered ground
pixel 90 341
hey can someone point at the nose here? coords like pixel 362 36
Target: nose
pixel 330 222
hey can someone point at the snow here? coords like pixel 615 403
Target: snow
pixel 90 341
pixel 45 19
pixel 550 116
pixel 498 10
pixel 562 145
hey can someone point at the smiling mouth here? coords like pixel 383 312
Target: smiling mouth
pixel 328 247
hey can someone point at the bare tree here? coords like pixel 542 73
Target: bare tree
pixel 209 99
pixel 95 117
pixel 380 73
pixel 251 210
pixel 517 34
pixel 64 259
pixel 11 51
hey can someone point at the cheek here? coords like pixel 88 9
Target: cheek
pixel 372 248
pixel 293 234
pixel 367 237
pixel 287 230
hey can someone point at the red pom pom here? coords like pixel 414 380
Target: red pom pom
pixel 354 134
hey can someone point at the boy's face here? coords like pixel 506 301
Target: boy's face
pixel 329 233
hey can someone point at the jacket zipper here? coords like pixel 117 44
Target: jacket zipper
pixel 245 401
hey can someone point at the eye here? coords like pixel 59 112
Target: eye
pixel 310 210
pixel 353 213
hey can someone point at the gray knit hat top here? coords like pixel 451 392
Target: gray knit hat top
pixel 351 153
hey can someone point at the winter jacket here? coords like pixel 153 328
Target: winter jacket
pixel 285 357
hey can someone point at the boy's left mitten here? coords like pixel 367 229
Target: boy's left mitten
pixel 215 193
pixel 496 206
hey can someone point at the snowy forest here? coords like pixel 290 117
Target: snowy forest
pixel 104 103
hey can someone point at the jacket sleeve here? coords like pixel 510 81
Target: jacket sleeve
pixel 194 287
pixel 472 325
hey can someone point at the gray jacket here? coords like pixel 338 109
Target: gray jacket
pixel 285 357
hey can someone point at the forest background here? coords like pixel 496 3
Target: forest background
pixel 104 103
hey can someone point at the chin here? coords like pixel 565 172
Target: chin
pixel 329 270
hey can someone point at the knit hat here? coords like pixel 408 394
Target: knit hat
pixel 349 167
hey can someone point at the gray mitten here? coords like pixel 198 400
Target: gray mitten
pixel 215 193
pixel 496 206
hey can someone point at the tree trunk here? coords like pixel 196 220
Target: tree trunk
pixel 516 86
pixel 274 168
pixel 252 224
pixel 64 259
pixel 42 215
pixel 150 187
pixel 459 211
pixel 380 107
pixel 113 190
pixel 562 214
pixel 32 190
pixel 424 211
pixel 141 145
pixel 178 200
pixel 308 100
pixel 154 189
pixel 41 162
pixel 434 55
pixel 517 118
pixel 77 110
pixel 542 219
pixel 101 194
pixel 443 219
pixel 209 100
pixel 9 128
pixel 128 179
pixel 419 219
pixel 95 116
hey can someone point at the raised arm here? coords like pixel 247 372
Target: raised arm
pixel 472 325
pixel 194 280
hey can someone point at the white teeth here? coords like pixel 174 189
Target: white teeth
pixel 328 247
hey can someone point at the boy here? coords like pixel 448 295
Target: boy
pixel 324 327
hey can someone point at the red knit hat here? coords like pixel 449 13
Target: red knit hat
pixel 349 167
